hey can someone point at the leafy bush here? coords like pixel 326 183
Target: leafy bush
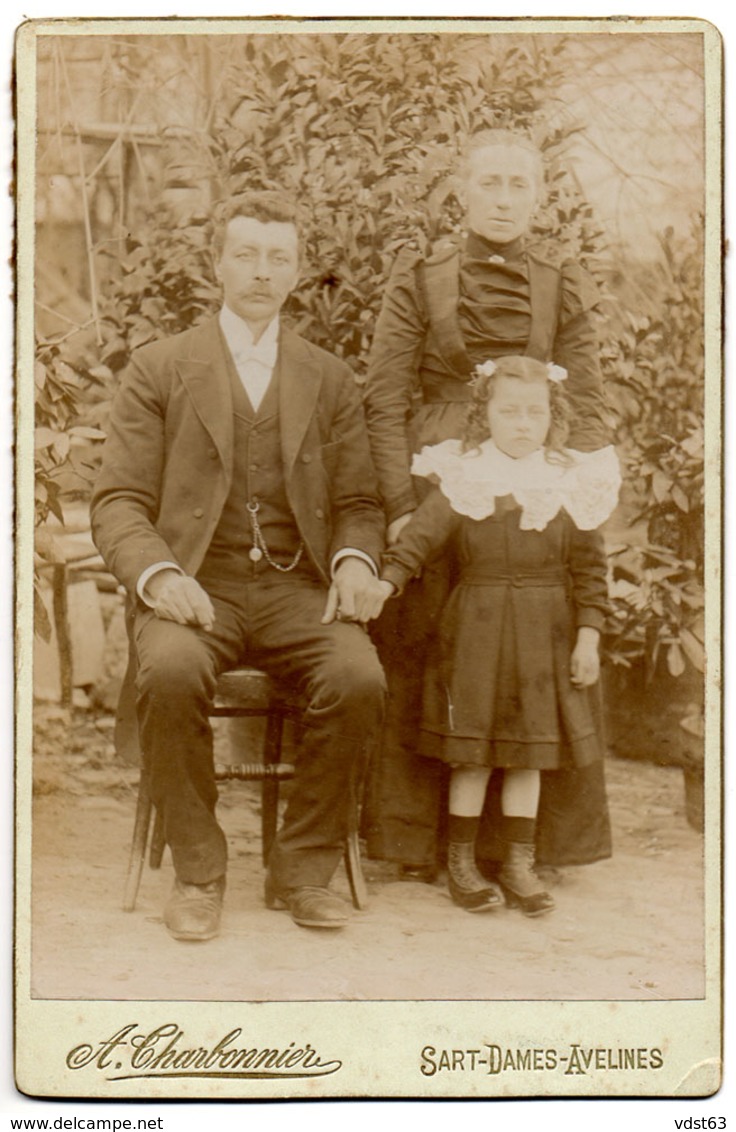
pixel 64 430
pixel 162 284
pixel 367 129
pixel 655 370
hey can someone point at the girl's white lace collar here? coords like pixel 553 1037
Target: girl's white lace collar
pixel 587 487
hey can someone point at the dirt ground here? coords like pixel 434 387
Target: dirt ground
pixel 627 928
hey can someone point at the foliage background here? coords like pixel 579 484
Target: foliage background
pixel 139 135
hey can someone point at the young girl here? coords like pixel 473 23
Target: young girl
pixel 513 682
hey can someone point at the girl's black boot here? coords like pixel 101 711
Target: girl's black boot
pixel 468 889
pixel 521 886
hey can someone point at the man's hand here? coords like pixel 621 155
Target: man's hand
pixel 394 529
pixel 177 597
pixel 585 663
pixel 355 594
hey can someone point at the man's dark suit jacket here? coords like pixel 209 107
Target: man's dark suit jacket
pixel 168 459
pixel 167 464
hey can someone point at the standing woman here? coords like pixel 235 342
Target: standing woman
pixel 485 297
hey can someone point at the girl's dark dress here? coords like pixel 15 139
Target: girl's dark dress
pixel 497 688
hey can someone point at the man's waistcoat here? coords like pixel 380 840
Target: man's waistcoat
pixel 258 479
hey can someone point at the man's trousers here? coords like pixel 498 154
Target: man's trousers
pixel 272 623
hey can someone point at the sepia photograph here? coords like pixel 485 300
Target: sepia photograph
pixel 416 323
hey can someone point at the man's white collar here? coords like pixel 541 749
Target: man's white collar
pixel 239 338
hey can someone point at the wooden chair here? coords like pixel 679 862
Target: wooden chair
pixel 242 692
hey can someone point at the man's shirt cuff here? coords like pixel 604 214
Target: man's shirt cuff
pixel 346 552
pixel 140 586
pixel 349 552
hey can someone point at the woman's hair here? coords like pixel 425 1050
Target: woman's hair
pixel 525 369
pixel 486 139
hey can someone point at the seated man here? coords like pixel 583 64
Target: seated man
pixel 237 503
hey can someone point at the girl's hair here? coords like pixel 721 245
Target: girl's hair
pixel 525 369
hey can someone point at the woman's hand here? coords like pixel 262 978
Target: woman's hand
pixel 585 665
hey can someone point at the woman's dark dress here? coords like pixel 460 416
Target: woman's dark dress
pixel 439 319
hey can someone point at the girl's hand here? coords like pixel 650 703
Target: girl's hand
pixel 585 665
pixel 394 529
pixel 388 589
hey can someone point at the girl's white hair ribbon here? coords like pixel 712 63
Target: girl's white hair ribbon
pixel 556 373
pixel 485 369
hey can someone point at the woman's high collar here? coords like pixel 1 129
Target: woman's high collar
pixel 478 247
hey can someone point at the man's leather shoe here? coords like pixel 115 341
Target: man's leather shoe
pixel 193 911
pixel 310 906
